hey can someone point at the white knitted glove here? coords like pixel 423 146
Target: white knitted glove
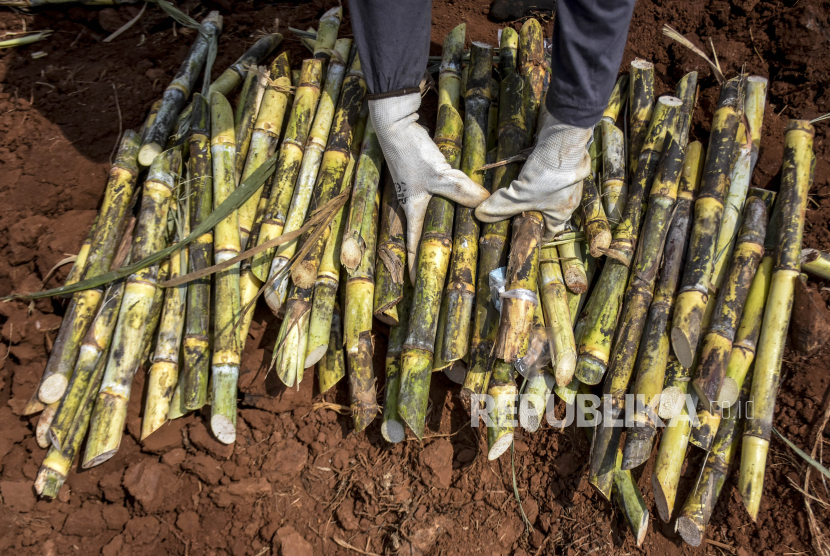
pixel 550 181
pixel 417 166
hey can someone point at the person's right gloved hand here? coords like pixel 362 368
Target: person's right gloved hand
pixel 550 180
pixel 418 168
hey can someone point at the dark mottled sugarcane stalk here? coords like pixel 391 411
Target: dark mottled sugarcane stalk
pixel 332 367
pixel 654 351
pixel 110 411
pixel 694 289
pixel 630 500
pixel 357 328
pixel 796 178
pixel 178 91
pixel 686 91
pixel 265 137
pixel 699 505
pixel 573 268
pixel 717 344
pixel 227 353
pixel 614 187
pixel 288 164
pixel 419 340
pixel 391 256
pixel 392 427
pixel 511 133
pixel 641 106
pixel 637 301
pixel 606 300
pixel 595 223
pixel 247 111
pixel 104 240
pixel 332 177
pixel 231 77
pixel 312 158
pixel 196 344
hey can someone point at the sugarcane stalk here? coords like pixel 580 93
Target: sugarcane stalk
pixel 686 91
pixel 573 269
pixel 247 110
pixel 288 163
pixel 327 31
pixel 164 373
pixel 630 500
pixel 641 99
pixel 654 351
pixel 290 348
pixel 265 136
pixel 595 223
pixel 614 183
pixel 332 366
pixel 315 146
pixel 357 325
pixel 76 272
pixel 594 350
pixel 392 427
pixel 694 289
pixel 148 121
pixel 196 345
pixel 717 344
pixel 665 477
pixel 815 263
pixel 699 505
pixel 118 198
pixel 178 91
pixel 328 276
pixel 754 105
pixel 233 76
pixel 226 349
pixel 796 178
pixel 110 413
pixel 391 256
pixel 637 302
pixel 332 179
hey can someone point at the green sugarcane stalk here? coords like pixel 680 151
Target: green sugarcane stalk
pixel 128 343
pixel 573 268
pixel 816 263
pixel 691 301
pixel 178 91
pixel 227 352
pixel 641 99
pixel 796 178
pixel 196 343
pixel 511 136
pixel 312 159
pixel 686 91
pixel 357 320
pixel 327 31
pixel 754 105
pixel 247 111
pixel 699 505
pixel 630 500
pixel 613 185
pixel 332 367
pixel 288 164
pixel 108 230
pixel 654 351
pixel 391 256
pixel 594 349
pixel 332 179
pixel 637 301
pixel 392 426
pixel 265 136
pixel 595 223
pixel 233 76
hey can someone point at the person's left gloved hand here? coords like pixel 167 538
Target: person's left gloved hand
pixel 550 181
pixel 418 168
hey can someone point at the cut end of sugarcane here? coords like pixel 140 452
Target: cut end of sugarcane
pixel 48 482
pixel 642 65
pixel 105 429
pixel 638 444
pixel 660 500
pixel 672 401
pixel 149 426
pixel 350 253
pixel 600 243
pixel 273 297
pixel 456 372
pixel 729 391
pixel 44 423
pixel 392 431
pixel 223 429
pixel 703 436
pixel 589 370
pixel 388 315
pixel 682 346
pixel 315 355
pixel 98 459
pixel 500 446
pixel 33 406
pixel 52 389
pixel 148 154
pixel 576 280
pixel 565 368
pixel 690 531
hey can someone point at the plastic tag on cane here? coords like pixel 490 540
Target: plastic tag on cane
pixel 538 352
pixel 497 280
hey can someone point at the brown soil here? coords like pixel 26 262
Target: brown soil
pixel 298 479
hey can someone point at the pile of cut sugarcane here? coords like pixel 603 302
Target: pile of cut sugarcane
pixel 673 270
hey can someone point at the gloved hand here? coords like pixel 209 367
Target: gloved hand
pixel 417 166
pixel 550 181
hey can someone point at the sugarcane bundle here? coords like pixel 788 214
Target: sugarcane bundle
pixel 595 347
pixel 419 342
pixel 310 167
pixel 638 299
pixel 694 289
pixel 654 350
pixel 796 178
